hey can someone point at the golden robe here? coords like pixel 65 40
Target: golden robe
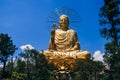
pixel 66 44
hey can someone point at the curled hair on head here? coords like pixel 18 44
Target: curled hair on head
pixel 63 15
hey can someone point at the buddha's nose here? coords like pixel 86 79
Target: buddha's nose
pixel 63 20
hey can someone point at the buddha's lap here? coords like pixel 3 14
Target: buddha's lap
pixel 74 54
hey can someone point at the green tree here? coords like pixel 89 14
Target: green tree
pixel 87 70
pixel 7 48
pixel 110 16
pixel 18 76
pixel 20 66
pixel 37 67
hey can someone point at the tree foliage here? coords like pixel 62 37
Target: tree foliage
pixel 34 65
pixel 110 19
pixel 7 48
pixel 87 70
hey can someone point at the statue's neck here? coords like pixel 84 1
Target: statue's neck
pixel 64 29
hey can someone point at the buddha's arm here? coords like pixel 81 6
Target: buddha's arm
pixel 52 41
pixel 76 44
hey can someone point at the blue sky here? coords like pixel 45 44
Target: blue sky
pixel 26 22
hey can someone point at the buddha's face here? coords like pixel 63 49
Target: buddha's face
pixel 63 22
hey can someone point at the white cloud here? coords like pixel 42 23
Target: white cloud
pixel 26 47
pixel 1 65
pixel 98 56
pixel 14 59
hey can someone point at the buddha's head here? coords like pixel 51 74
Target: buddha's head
pixel 64 22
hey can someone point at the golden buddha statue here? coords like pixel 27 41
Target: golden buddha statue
pixel 64 42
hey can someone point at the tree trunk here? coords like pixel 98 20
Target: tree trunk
pixel 3 70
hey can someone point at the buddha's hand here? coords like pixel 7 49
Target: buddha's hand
pixel 52 32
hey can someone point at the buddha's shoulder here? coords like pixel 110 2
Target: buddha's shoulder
pixel 71 30
pixel 57 30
